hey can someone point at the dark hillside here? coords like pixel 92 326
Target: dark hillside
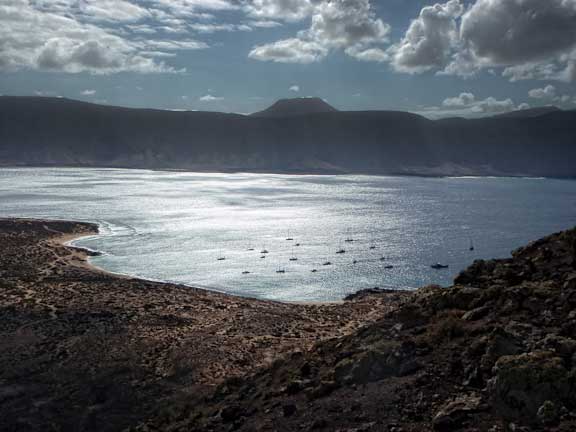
pixel 48 131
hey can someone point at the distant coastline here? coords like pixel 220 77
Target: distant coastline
pixel 290 172
pixel 293 136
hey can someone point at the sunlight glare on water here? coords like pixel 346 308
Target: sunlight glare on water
pixel 174 226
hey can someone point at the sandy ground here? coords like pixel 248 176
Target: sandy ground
pixel 78 344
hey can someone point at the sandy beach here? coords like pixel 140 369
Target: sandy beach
pixel 87 350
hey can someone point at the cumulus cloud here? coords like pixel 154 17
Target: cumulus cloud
pixel 294 88
pixel 263 23
pixel 212 28
pixel 488 105
pixel 194 8
pixel 102 36
pixel 463 100
pixel 430 39
pixel 286 10
pixel 292 50
pixel 548 92
pixel 531 39
pixel 522 39
pixel 524 106
pixel 188 44
pixel 210 98
pixel 88 92
pixel 506 32
pixel 467 105
pixel 527 39
pixel 65 40
pixel 493 105
pixel 349 25
pixel 376 55
pixel 112 10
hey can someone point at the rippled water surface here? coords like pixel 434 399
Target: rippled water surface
pixel 174 226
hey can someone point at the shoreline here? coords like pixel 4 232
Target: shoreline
pixel 67 240
pixel 298 172
pixel 76 329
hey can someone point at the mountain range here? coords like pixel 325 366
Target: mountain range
pixel 293 135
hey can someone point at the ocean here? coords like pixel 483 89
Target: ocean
pixel 209 230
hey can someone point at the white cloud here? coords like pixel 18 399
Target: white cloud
pixel 548 92
pixel 430 39
pixel 194 8
pixel 467 105
pixel 524 106
pixel 532 71
pixel 376 55
pixel 141 29
pixel 210 98
pixel 212 28
pixel 507 32
pixel 531 39
pixel 104 36
pixel 463 100
pixel 88 92
pixel 528 39
pixel 70 39
pixel 263 23
pixel 294 88
pixel 522 39
pixel 289 51
pixel 111 10
pixel 286 10
pixel 189 44
pixel 493 105
pixel 349 25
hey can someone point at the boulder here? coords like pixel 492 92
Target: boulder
pixel 374 364
pixel 548 413
pixel 522 383
pixel 476 314
pixel 563 346
pixel 501 343
pixel 456 411
pixel 570 282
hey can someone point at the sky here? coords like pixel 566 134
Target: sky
pixel 466 58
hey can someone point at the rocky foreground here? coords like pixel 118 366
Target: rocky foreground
pixel 83 350
pixel 494 352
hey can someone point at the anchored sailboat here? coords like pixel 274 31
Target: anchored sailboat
pixel 281 270
pixel 293 258
pixel 349 239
